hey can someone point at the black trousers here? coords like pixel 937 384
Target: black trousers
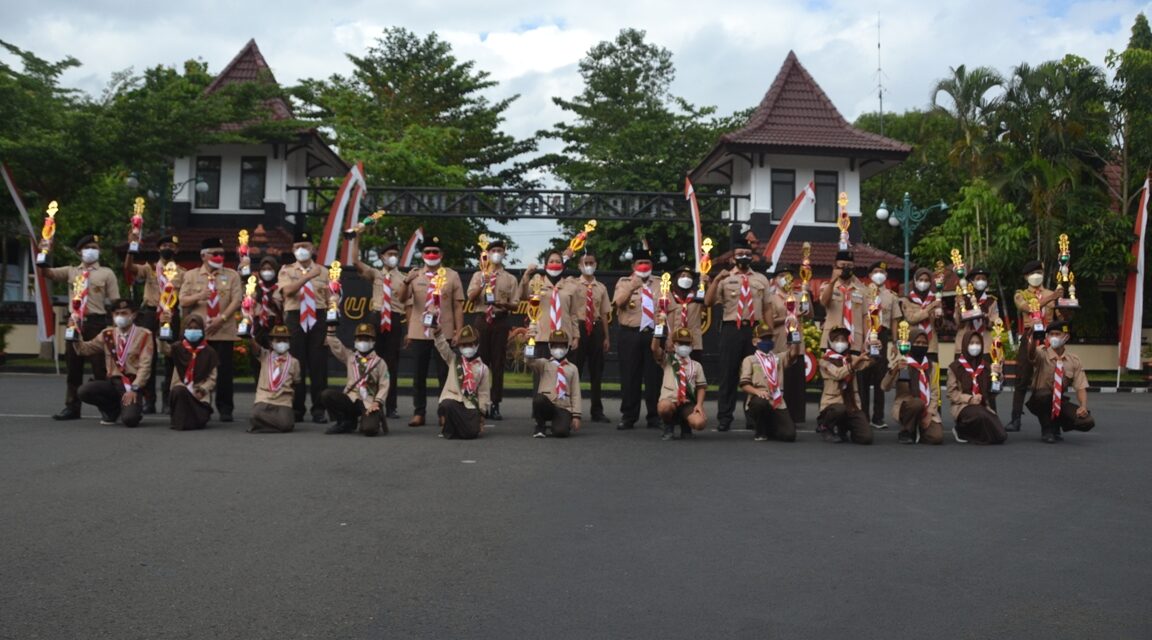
pixel 106 394
pixel 680 419
pixel 309 349
pixel 148 318
pixel 845 421
pixel 868 381
pixel 460 422
pixel 493 349
pixel 225 375
pixel 1040 404
pixel 638 368
pixel 769 422
pixel 388 345
pixel 735 345
pixel 1024 373
pixel 544 411
pixel 74 362
pixel 343 408
pixel 589 358
pixel 794 385
pixel 425 354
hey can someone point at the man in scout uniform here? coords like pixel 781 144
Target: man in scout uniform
pixel 923 309
pixel 436 300
pixel 386 309
pixel 557 398
pixel 635 299
pixel 744 296
pixel 304 286
pixel 1034 307
pixel 685 309
pixel 793 378
pixel 273 411
pixel 155 281
pixel 682 392
pixel 195 365
pixel 214 292
pixel 127 353
pixel 465 396
pixel 91 287
pixel 494 293
pixel 917 382
pixel 1057 373
pixel 361 402
pixel 841 419
pixel 891 312
pixel 762 380
pixel 845 302
pixel 593 306
pixel 970 394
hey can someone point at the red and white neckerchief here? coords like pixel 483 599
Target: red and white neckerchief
pixel 555 320
pixel 1058 387
pixel 490 311
pixel 279 366
pixel 123 346
pixel 160 277
pixel 80 298
pixel 213 297
pixel 386 303
pixel 922 368
pixel 683 303
pixel 685 371
pixel 924 301
pixel 978 323
pixel 267 298
pixel 307 306
pixel 561 379
pixel 974 373
pixel 846 314
pixel 589 306
pixel 429 300
pixel 769 364
pixel 364 367
pixel 839 360
pixel 190 370
pixel 744 303
pixel 647 308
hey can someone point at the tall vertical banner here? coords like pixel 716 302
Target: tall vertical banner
pixel 345 213
pixel 409 252
pixel 1133 321
pixel 775 246
pixel 45 317
pixel 697 231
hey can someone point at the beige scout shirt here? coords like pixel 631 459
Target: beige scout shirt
pixel 416 293
pixel 917 313
pixel 686 313
pixel 200 389
pixel 569 312
pixel 779 302
pixel 368 378
pixel 601 303
pixel 102 285
pixel 395 279
pixel 1023 300
pixel 291 275
pixel 907 383
pixel 228 290
pixel 547 369
pixel 752 373
pixel 1044 374
pixel 729 296
pixel 126 354
pixel 452 386
pixel 834 311
pixel 838 377
pixel 505 290
pixel 991 307
pixel 628 299
pixel 669 387
pixel 269 362
pixel 150 275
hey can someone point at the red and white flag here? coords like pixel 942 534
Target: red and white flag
pixel 409 252
pixel 1132 323
pixel 345 213
pixel 775 246
pixel 697 231
pixel 45 317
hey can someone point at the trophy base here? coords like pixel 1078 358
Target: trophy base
pixel 245 271
pixel 997 386
pixel 243 331
pixel 71 334
pixel 133 247
pixel 489 298
pixel 42 259
pixel 795 338
pixel 874 351
pixel 971 314
pixel 660 331
pixel 1068 303
pixel 166 333
pixel 333 317
pixel 530 350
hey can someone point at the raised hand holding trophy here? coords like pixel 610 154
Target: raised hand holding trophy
pixel 997 354
pixel 705 264
pixel 662 306
pixel 533 318
pixel 334 288
pixel 844 221
pixel 1064 276
pixel 245 327
pixel 580 239
pixel 47 233
pixel 242 251
pixel 136 232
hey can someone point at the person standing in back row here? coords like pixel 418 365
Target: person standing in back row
pixel 592 322
pixel 213 292
pixel 304 287
pixel 435 299
pixel 495 293
pixel 635 301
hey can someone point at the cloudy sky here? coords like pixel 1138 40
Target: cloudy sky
pixel 726 54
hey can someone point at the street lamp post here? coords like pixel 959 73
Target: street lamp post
pixel 909 218
pixel 132 182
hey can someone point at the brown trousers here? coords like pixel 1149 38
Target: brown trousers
pixel 769 422
pixel 1040 404
pixel 980 425
pixel 106 394
pixel 910 413
pixel 460 422
pixel 188 412
pixel 271 418
pixel 845 421
pixel 342 408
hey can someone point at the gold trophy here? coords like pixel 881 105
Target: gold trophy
pixel 577 243
pixel 705 264
pixel 72 333
pixel 997 353
pixel 47 233
pixel 903 337
pixel 243 252
pixel 965 292
pixel 874 322
pixel 791 322
pixel 485 267
pixel 137 230
pixel 1036 315
pixel 1064 276
pixel 938 280
pixel 245 326
pixel 333 288
pixel 533 318
pixel 662 306
pixel 366 222
pixel 844 221
pixel 168 298
pixel 805 276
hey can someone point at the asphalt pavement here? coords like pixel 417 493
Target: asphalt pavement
pixel 108 532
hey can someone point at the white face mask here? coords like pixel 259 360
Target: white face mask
pixel 685 283
pixel 89 255
pixel 588 269
pixel 558 353
pixel 554 271
pixel 268 276
pixel 280 347
pixel 839 347
pixel 468 352
pixel 391 261
pixel 922 285
pixel 432 262
pixel 1035 279
pixel 683 350
pixel 302 254
pixel 496 258
pixel 122 321
pixel 643 275
pixel 879 279
pixel 975 350
pixel 980 284
pixel 1057 342
pixel 363 346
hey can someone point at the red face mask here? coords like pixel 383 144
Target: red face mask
pixel 643 270
pixel 216 261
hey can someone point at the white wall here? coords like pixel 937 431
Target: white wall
pixel 805 168
pixel 741 185
pixel 277 176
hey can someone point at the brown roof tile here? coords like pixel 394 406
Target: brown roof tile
pixel 249 65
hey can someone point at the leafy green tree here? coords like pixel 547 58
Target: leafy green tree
pixel 971 101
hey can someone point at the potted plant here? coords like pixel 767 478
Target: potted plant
pixel 5 329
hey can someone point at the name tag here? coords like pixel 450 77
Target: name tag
pixel 429 319
pixel 490 298
pixel 1039 326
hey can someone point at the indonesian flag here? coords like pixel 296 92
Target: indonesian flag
pixel 775 246
pixel 345 213
pixel 697 232
pixel 410 248
pixel 1133 320
pixel 45 317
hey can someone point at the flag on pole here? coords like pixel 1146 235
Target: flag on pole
pixel 45 317
pixel 1133 321
pixel 775 246
pixel 346 206
pixel 697 231
pixel 410 248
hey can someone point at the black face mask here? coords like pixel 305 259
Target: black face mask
pixel 919 352
pixel 743 262
pixel 167 254
pixel 846 274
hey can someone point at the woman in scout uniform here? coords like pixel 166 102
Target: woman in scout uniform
pixel 682 393
pixel 557 398
pixel 923 309
pixel 762 379
pixel 279 373
pixel 917 382
pixel 970 394
pixel 361 402
pixel 841 419
pixel 195 367
pixel 465 398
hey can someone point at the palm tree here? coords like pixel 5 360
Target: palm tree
pixel 971 107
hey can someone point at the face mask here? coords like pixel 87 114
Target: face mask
pixel 89 255
pixel 1036 279
pixel 879 279
pixel 167 254
pixel 122 321
pixel 280 347
pixel 363 346
pixel 468 352
pixel 975 350
pixel 216 262
pixel 432 262
pixel 980 284
pixel 743 261
pixel 1057 341
pixel 268 276
pixel 783 283
pixel 684 283
pixel 683 350
pixel 846 274
pixel 391 261
pixel 918 352
pixel 588 269
pixel 302 254
pixel 839 347
pixel 922 285
pixel 643 273
pixel 554 272
pixel 558 353
pixel 765 345
pixel 193 335
pixel 496 258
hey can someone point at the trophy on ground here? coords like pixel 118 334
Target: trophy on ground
pixel 47 233
pixel 168 298
pixel 244 329
pixel 334 288
pixel 136 232
pixel 1065 277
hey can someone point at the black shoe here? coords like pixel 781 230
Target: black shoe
pixel 1049 438
pixel 149 409
pixel 392 415
pixel 724 426
pixel 494 412
pixel 655 424
pixel 905 438
pixel 624 425
pixel 668 435
pixel 601 418
pixel 225 417
pixel 299 416
pixel 319 418
pixel 67 413
pixel 109 417
pixel 341 426
pixel 1014 425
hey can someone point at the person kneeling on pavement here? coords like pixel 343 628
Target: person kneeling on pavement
pixel 917 382
pixel 279 372
pixel 841 419
pixel 360 403
pixel 970 395
pixel 557 398
pixel 466 395
pixel 127 350
pixel 761 379
pixel 1056 373
pixel 681 401
pixel 193 377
